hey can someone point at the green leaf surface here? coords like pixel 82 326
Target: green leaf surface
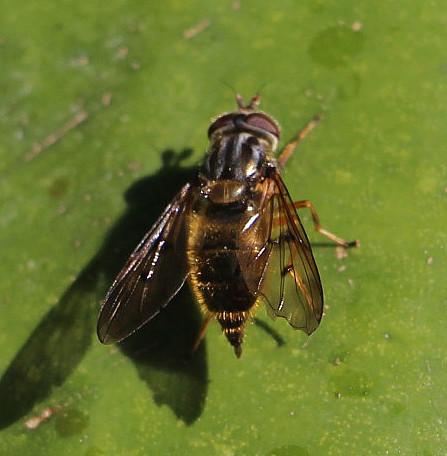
pixel 103 115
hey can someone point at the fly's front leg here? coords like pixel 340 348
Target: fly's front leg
pixel 317 225
pixel 282 159
pixel 292 145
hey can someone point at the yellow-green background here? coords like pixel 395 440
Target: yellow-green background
pixel 372 379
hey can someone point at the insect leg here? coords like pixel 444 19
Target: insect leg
pixel 270 331
pixel 317 225
pixel 292 145
pixel 202 332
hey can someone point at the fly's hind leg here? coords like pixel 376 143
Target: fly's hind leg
pixel 317 225
pixel 202 332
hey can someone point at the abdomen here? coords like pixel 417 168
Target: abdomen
pixel 214 249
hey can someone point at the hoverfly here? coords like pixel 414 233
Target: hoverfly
pixel 234 235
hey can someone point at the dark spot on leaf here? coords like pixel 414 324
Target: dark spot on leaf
pixel 394 408
pixel 58 187
pixel 349 382
pixel 338 356
pixel 71 422
pixel 336 46
pixel 349 87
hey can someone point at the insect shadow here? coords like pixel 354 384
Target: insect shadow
pixel 60 341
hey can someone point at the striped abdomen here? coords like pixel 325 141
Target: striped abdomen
pixel 216 279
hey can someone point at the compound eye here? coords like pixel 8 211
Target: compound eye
pixel 222 121
pixel 264 122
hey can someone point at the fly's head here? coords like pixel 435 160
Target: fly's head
pixel 241 149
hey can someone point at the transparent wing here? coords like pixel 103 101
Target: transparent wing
pixel 152 276
pixel 290 282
